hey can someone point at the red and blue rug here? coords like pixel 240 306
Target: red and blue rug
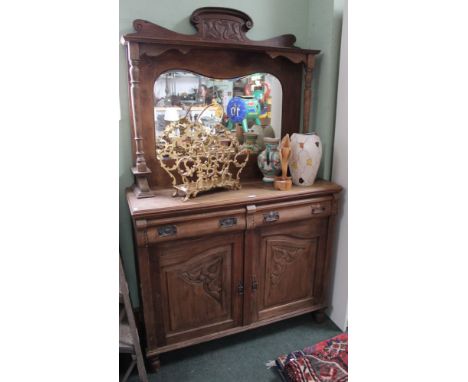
pixel 326 361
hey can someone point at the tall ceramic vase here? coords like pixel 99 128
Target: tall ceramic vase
pixel 269 160
pixel 305 158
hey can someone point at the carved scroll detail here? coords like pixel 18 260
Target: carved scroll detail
pixel 222 30
pixel 212 24
pixel 221 24
pixel 208 274
pixel 282 257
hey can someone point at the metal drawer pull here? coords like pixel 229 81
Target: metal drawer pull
pixel 227 222
pixel 240 288
pixel 318 209
pixel 167 230
pixel 254 284
pixel 271 216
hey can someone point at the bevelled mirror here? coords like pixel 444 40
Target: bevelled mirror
pixel 249 103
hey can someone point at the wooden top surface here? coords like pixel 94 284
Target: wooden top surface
pixel 252 192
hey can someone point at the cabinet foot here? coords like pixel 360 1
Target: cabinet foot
pixel 319 316
pixel 154 363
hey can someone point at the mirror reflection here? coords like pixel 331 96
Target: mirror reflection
pixel 251 103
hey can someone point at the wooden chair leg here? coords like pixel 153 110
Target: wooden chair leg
pixel 141 369
pixel 129 370
pixel 137 357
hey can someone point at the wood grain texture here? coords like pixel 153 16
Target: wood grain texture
pixel 198 286
pixel 170 228
pixel 190 278
pixel 308 75
pixel 239 329
pixel 286 265
pixel 254 192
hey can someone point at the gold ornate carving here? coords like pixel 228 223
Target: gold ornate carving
pixel 202 158
pixel 282 257
pixel 209 275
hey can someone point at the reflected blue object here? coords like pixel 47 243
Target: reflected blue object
pixel 242 109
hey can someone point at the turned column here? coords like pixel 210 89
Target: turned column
pixel 141 170
pixel 309 67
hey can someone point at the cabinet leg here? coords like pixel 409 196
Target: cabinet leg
pixel 154 363
pixel 319 316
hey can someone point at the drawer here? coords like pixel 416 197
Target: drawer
pixel 291 211
pixel 160 230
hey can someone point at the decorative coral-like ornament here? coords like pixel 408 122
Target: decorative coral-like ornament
pixel 199 159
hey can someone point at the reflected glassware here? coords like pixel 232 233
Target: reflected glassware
pixel 183 89
pixel 263 132
pixel 250 142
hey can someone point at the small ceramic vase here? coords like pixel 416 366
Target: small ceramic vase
pixel 305 158
pixel 269 160
pixel 250 143
pixel 263 132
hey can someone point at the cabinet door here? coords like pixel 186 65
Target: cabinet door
pixel 288 268
pixel 199 286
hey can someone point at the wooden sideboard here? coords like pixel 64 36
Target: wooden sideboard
pixel 230 261
pixel 226 261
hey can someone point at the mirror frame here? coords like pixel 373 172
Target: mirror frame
pixel 219 49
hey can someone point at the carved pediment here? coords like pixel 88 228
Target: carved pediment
pixel 221 24
pixel 213 24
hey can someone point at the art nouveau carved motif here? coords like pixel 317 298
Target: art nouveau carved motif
pixel 212 24
pixel 208 274
pixel 222 30
pixel 232 25
pixel 282 257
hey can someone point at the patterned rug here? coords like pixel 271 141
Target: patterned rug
pixel 326 361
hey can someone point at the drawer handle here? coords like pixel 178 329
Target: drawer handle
pixel 271 217
pixel 227 222
pixel 254 284
pixel 318 209
pixel 167 230
pixel 240 288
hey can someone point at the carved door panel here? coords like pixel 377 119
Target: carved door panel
pixel 199 286
pixel 288 268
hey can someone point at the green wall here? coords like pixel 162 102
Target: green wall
pixel 316 25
